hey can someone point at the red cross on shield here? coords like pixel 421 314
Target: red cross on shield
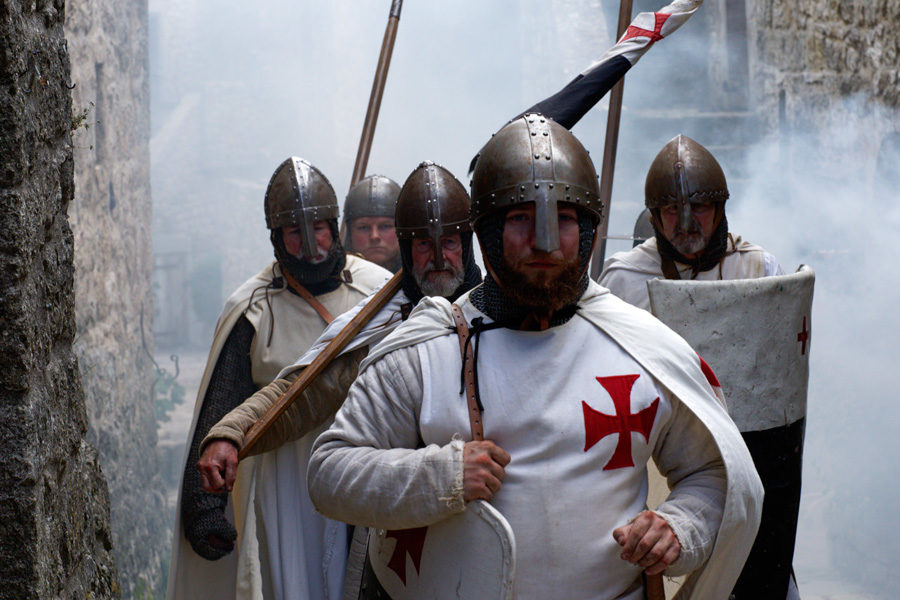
pixel 598 425
pixel 409 541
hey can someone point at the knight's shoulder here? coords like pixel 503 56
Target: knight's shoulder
pixel 365 275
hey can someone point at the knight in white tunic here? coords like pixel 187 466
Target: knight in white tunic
pixel 264 325
pixel 438 259
pixel 579 390
pixel 685 192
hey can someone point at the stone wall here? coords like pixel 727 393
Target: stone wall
pixel 111 221
pixel 54 505
pixel 809 57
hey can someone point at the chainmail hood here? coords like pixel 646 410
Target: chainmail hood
pixel 712 254
pixel 319 278
pixel 490 298
pixel 471 277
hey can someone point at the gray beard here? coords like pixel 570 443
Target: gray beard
pixel 444 286
pixel 689 243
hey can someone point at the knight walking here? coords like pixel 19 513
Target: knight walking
pixel 265 324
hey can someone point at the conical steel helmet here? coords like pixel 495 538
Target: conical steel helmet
pixel 372 196
pixel 299 194
pixel 432 203
pixel 684 172
pixel 534 159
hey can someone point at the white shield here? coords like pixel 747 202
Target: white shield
pixel 470 556
pixel 754 333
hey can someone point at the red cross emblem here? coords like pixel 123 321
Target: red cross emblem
pixel 409 541
pixel 598 425
pixel 708 373
pixel 655 35
pixel 803 337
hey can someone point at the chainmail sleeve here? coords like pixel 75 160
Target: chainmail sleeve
pixel 231 382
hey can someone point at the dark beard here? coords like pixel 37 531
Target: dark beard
pixel 545 295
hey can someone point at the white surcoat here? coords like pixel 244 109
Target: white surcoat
pixel 626 274
pixel 581 408
pixel 285 549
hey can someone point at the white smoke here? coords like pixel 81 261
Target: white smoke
pixel 237 88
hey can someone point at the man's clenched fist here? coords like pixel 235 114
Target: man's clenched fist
pixel 218 466
pixel 648 542
pixel 483 469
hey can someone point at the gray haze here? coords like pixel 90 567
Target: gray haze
pixel 238 87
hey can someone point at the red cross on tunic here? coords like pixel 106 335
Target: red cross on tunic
pixel 655 35
pixel 803 337
pixel 598 425
pixel 409 541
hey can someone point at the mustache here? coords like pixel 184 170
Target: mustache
pixel 429 268
pixel 321 255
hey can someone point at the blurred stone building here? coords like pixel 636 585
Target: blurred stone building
pixel 110 217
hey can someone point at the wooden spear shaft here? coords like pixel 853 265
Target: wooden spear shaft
pixel 609 148
pixel 320 362
pixel 381 71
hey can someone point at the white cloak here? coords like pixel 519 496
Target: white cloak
pixel 374 331
pixel 345 452
pixel 274 556
pixel 625 274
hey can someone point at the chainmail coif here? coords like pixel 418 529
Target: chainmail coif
pixel 489 297
pixel 203 513
pixel 714 251
pixel 320 278
pixel 471 278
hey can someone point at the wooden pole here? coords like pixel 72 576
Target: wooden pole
pixel 322 360
pixel 609 148
pixel 381 71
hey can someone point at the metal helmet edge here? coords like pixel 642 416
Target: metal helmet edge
pixel 683 173
pixel 432 203
pixel 534 159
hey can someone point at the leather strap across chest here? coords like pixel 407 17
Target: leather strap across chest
pixel 465 349
pixel 310 299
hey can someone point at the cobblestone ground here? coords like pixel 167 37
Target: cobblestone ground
pixel 173 433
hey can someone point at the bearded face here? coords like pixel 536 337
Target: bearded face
pixel 692 239
pixel 543 280
pixel 292 236
pixel 431 280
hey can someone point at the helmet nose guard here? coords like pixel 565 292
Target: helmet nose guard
pixel 534 159
pixel 299 194
pixel 432 203
pixel 684 172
